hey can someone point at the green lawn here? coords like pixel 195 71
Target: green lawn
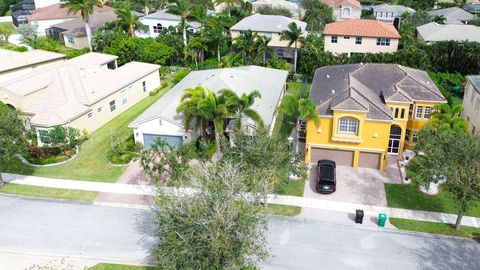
pixel 282 127
pixel 433 227
pixel 91 164
pixel 55 193
pixel 294 188
pixel 283 210
pixel 409 197
pixel 107 266
pixel 8 25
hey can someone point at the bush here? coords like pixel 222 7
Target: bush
pixel 47 155
pixel 165 71
pixel 179 75
pixel 74 53
pixel 120 152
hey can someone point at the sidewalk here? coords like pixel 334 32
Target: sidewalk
pixel 342 207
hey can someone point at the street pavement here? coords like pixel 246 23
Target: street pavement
pixel 126 235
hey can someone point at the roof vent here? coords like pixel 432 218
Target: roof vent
pixel 333 91
pixel 328 76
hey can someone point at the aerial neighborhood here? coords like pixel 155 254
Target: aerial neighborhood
pixel 235 134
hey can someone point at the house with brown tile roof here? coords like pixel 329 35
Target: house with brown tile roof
pixel 344 9
pixel 360 36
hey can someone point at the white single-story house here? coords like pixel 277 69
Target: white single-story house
pixel 84 93
pixel 162 121
pixel 14 64
pixel 157 21
pixel 434 32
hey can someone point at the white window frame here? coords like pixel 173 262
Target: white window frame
pixel 383 42
pixel 414 136
pixel 113 106
pixel 348 125
pixel 407 135
pixel 334 39
pixel 358 40
pixel 144 86
pixel 70 40
pixel 419 112
pixel 427 112
pixel 90 114
pixel 99 109
pixel 157 28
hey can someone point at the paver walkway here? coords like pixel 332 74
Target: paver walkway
pixel 343 207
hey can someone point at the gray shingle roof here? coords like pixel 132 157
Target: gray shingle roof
pixel 266 23
pixel 353 86
pixel 453 15
pixel 397 10
pixel 475 81
pixel 269 82
pixel 432 32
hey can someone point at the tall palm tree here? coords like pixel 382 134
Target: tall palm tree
pixel 229 4
pixel 195 49
pixel 189 107
pixel 215 109
pixel 241 105
pixel 128 21
pixel 445 117
pixel 85 7
pixel 246 44
pixel 262 48
pixel 294 35
pixel 183 8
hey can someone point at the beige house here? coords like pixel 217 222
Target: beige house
pixel 360 36
pixel 85 92
pixel 345 9
pixel 14 64
pixel 271 26
pixel 471 103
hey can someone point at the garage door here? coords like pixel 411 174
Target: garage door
pixel 174 141
pixel 341 157
pixel 369 160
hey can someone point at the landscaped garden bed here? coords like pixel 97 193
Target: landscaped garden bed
pixel 48 155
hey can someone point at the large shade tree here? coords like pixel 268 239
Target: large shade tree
pixel 293 35
pixel 85 7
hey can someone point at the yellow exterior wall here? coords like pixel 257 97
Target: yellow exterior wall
pixel 415 124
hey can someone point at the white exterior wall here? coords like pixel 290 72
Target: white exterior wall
pixel 470 99
pixel 348 46
pixel 159 126
pixel 387 17
pixel 45 24
pixel 44 3
pixel 340 14
pixel 153 22
pixel 78 42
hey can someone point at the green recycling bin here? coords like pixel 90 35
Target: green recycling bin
pixel 382 219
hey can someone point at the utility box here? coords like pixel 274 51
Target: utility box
pixel 359 216
pixel 382 219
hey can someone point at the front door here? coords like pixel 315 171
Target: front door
pixel 394 142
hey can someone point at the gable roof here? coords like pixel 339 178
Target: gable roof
pixel 339 3
pixel 362 28
pixel 67 90
pixel 294 8
pixel 475 81
pixel 76 27
pixel 432 32
pixel 453 15
pixel 239 79
pixel 266 23
pixel 56 11
pixel 397 10
pixel 10 60
pixel 366 87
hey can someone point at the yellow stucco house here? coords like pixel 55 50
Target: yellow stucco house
pixel 367 112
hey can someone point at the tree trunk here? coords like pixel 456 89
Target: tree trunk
pixel 264 58
pixel 218 132
pixel 88 30
pixel 218 53
pixel 295 60
pixel 196 62
pixel 185 33
pixel 1 181
pixel 146 10
pixel 458 223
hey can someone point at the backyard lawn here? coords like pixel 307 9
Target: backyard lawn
pixel 91 164
pixel 433 227
pixel 409 197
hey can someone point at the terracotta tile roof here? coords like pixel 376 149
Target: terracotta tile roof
pixel 340 3
pixel 56 11
pixel 362 28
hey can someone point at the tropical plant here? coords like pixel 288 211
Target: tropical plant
pixel 229 4
pixel 128 21
pixel 189 107
pixel 185 9
pixel 293 35
pixel 271 10
pixel 241 106
pixel 440 19
pixel 195 49
pixel 445 118
pixel 85 7
pixel 262 48
pixel 245 43
pixel 317 16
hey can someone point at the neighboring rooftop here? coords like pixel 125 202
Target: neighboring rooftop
pixel 266 23
pixel 67 89
pixel 10 60
pixel 362 28
pixel 239 79
pixel 292 7
pixel 76 27
pixel 94 58
pixel 56 11
pixel 397 10
pixel 475 81
pixel 164 15
pixel 453 15
pixel 343 3
pixel 432 32
pixel 366 87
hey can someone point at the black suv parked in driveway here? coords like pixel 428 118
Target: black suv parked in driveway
pixel 326 181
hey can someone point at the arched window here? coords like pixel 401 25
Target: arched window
pixel 402 115
pixel 157 28
pixel 346 12
pixel 348 125
pixel 396 112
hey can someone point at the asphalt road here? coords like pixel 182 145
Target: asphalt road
pixel 126 235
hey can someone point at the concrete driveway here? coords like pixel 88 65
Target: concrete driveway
pixel 357 185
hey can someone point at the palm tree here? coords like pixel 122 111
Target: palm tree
pixel 445 117
pixel 85 7
pixel 317 15
pixel 241 105
pixel 195 49
pixel 293 35
pixel 262 48
pixel 214 108
pixel 440 19
pixel 128 21
pixel 189 107
pixel 246 43
pixel 229 4
pixel 183 8
pixel 145 4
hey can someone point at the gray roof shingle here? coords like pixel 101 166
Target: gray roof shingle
pixel 453 15
pixel 266 23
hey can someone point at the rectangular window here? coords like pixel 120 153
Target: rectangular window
pixel 348 125
pixel 407 135
pixel 144 86
pixel 477 104
pixel 410 111
pixel 99 109
pixel 414 137
pixel 419 112
pixel 124 95
pixel 268 35
pixel 334 39
pixel 70 40
pixel 90 114
pixel 44 138
pixel 383 42
pixel 113 107
pixel 426 114
pixel 358 40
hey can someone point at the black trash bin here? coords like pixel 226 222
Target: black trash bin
pixel 359 216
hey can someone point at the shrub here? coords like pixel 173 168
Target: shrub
pixel 47 155
pixel 179 75
pixel 74 53
pixel 120 152
pixel 163 85
pixel 165 71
